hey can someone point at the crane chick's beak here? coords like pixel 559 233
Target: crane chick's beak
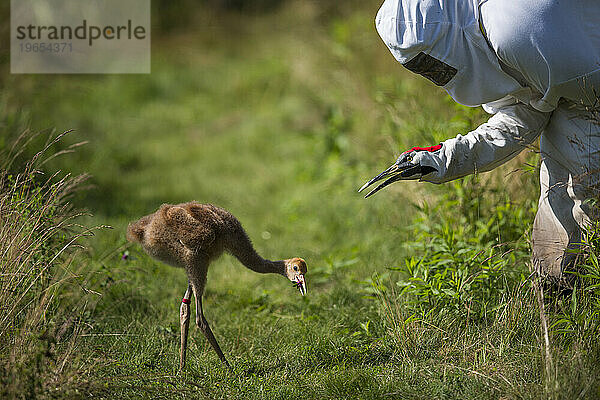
pixel 392 174
pixel 300 283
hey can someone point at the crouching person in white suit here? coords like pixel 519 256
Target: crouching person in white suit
pixel 534 65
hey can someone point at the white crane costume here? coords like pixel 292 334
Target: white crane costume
pixel 534 65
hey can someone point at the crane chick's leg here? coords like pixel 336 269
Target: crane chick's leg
pixel 184 318
pixel 197 276
pixel 203 325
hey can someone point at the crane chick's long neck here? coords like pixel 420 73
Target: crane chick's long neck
pixel 241 247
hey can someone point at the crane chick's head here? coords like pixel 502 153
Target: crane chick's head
pixel 295 268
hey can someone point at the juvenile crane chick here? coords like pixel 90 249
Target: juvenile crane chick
pixel 191 235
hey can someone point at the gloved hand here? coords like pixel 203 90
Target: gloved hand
pixel 412 164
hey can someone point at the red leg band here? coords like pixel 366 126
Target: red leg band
pixel 185 301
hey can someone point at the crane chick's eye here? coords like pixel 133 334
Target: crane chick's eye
pixel 295 268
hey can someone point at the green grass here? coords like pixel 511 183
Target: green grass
pixel 279 119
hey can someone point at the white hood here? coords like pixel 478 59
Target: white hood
pixel 448 31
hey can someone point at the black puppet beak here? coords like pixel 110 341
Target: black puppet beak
pixel 396 172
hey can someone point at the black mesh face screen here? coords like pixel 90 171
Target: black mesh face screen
pixel 431 68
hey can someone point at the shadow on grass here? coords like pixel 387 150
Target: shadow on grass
pixel 316 359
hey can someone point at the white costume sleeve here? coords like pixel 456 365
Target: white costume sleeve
pixel 513 126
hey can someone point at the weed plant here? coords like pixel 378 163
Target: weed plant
pixel 468 297
pixel 38 235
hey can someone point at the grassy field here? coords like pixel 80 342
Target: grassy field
pixel 279 118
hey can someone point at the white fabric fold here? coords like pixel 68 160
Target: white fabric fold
pixel 510 130
pixel 554 45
